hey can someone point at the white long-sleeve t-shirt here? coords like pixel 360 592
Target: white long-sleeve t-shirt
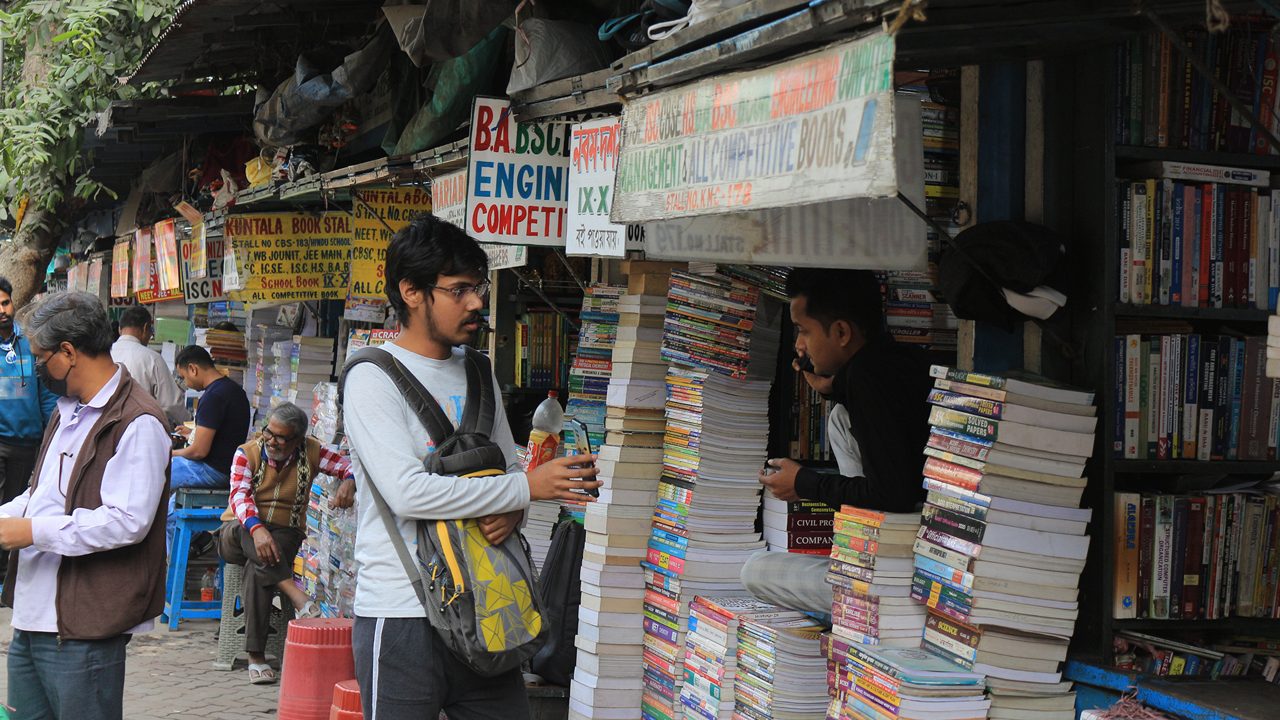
pixel 389 445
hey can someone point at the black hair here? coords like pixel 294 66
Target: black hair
pixel 831 295
pixel 227 325
pixel 6 287
pixel 425 249
pixel 135 317
pixel 193 355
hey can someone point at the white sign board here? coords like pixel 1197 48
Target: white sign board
pixel 202 284
pixel 517 178
pixel 866 233
pixel 502 256
pixel 816 127
pixel 449 198
pixel 593 163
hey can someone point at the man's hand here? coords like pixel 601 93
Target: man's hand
pixel 15 533
pixel 559 478
pixel 345 497
pixel 781 481
pixel 265 545
pixel 496 528
pixel 823 385
pixel 182 430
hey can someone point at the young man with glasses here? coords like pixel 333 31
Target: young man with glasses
pixel 436 285
pixel 266 522
pixel 25 403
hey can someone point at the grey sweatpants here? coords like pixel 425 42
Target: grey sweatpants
pixel 406 673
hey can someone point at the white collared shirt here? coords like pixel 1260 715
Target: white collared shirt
pixel 148 369
pixel 131 488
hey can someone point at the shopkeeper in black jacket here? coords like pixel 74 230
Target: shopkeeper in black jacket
pixel 883 387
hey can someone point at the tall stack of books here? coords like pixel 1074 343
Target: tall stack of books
pixel 720 335
pixel 780 668
pixel 710 657
pixel 909 683
pixel 610 642
pixel 871 578
pixel 592 363
pixel 311 363
pixel 803 526
pixel 1003 541
pixel 270 354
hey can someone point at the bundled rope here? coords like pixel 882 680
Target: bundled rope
pixel 1128 708
pixel 910 10
pixel 1216 17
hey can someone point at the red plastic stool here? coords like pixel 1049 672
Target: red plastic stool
pixel 317 654
pixel 346 701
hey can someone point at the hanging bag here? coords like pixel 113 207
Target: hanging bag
pixel 480 598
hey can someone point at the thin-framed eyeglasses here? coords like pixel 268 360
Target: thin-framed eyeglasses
pixel 481 290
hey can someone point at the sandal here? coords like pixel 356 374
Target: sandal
pixel 261 675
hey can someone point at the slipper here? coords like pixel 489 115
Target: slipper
pixel 310 610
pixel 261 674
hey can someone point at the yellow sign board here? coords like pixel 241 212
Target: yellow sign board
pixel 379 214
pixel 291 256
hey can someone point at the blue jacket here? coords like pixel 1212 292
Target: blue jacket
pixel 25 403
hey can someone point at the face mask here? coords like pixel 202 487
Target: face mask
pixel 54 385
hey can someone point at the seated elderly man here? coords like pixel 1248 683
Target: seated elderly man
pixel 266 522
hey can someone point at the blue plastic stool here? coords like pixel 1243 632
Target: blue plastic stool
pixel 195 511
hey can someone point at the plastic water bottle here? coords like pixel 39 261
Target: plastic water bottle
pixel 544 437
pixel 208 585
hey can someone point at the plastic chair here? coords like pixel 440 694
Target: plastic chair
pixel 195 511
pixel 231 630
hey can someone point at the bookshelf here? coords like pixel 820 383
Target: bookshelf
pixel 1095 258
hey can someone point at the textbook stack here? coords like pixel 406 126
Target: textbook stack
pixel 710 658
pixel 722 336
pixel 607 680
pixel 909 683
pixel 311 363
pixel 592 363
pixel 803 526
pixel 780 668
pixel 270 351
pixel 871 578
pixel 999 554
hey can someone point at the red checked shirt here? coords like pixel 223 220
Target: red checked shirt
pixel 332 463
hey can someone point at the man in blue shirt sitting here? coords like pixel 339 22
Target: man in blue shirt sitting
pixel 222 425
pixel 25 403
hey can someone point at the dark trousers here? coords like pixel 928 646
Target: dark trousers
pixel 406 673
pixel 68 680
pixel 235 545
pixel 17 462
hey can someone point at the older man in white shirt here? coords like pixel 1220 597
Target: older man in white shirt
pixel 145 365
pixel 86 540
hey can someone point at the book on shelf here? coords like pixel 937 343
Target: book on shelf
pixel 799 527
pixel 1194 397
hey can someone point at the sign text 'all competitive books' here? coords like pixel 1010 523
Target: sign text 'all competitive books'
pixel 291 256
pixel 518 178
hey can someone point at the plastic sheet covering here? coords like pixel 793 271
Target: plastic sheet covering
pixel 454 83
pixel 548 50
pixel 439 30
pixel 305 100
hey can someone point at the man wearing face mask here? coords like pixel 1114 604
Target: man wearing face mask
pixel 86 540
pixel 25 403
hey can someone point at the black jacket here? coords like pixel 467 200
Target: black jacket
pixel 884 387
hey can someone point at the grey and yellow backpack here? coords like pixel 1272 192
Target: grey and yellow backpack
pixel 480 598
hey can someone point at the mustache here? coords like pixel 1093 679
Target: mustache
pixel 478 319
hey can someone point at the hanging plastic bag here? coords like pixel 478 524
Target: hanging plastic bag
pixel 699 11
pixel 258 171
pixel 548 50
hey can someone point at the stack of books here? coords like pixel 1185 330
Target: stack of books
pixel 714 447
pixel 592 363
pixel 1003 541
pixel 610 642
pixel 710 657
pixel 325 414
pixel 1272 369
pixel 908 683
pixel 270 354
pixel 311 363
pixel 871 578
pixel 803 526
pixel 780 668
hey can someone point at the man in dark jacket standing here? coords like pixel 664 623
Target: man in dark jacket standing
pixel 883 386
pixel 86 540
pixel 25 404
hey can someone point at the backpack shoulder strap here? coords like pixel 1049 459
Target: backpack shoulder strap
pixel 423 404
pixel 479 413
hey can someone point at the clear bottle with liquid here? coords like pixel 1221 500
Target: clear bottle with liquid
pixel 544 437
pixel 209 585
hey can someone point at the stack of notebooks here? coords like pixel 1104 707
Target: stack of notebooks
pixel 803 526
pixel 1003 542
pixel 908 683
pixel 610 642
pixel 720 334
pixel 871 578
pixel 710 658
pixel 780 668
pixel 592 363
pixel 311 363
